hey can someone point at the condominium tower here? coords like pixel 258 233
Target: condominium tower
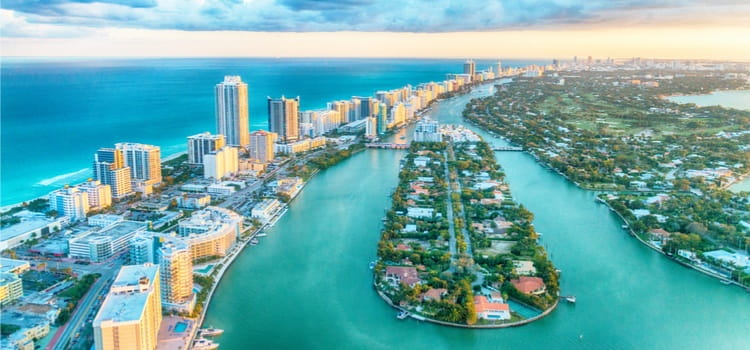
pixel 130 315
pixel 176 270
pixel 143 160
pixel 110 169
pixel 262 145
pixel 232 118
pixel 283 118
pixel 70 202
pixel 202 144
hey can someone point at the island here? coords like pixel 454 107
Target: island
pixel 663 167
pixel 456 249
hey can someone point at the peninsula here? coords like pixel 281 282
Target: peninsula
pixel 455 248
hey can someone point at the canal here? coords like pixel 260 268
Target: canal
pixel 307 285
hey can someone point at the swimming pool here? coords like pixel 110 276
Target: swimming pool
pixel 205 270
pixel 180 327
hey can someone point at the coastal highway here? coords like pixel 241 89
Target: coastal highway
pixel 85 307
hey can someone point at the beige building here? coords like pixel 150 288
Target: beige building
pixel 130 316
pixel 262 145
pixel 232 115
pixel 176 270
pixel 211 231
pixel 11 288
pixel 143 160
pixel 100 195
pixel 222 163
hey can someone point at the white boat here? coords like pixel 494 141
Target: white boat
pixel 211 332
pixel 261 235
pixel 204 344
pixel 372 265
pixel 402 315
pixel 254 241
pixel 571 299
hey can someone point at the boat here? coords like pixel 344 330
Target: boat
pixel 402 315
pixel 211 332
pixel 372 265
pixel 204 344
pixel 726 282
pixel 571 299
pixel 261 235
pixel 254 241
pixel 624 226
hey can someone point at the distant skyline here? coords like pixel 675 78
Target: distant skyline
pixel 692 29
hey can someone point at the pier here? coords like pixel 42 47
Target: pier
pixel 387 145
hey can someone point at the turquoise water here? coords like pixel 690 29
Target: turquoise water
pixel 739 99
pixel 309 285
pixel 57 113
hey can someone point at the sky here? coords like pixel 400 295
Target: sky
pixel 692 29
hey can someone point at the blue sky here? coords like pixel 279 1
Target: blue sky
pixel 25 23
pixel 357 15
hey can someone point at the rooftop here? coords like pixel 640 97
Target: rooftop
pixel 113 231
pixel 10 265
pixel 129 293
pixel 28 223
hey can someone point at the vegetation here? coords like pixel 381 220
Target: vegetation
pixel 73 294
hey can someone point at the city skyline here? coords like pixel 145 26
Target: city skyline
pixel 284 28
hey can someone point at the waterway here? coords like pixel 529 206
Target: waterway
pixel 739 99
pixel 307 285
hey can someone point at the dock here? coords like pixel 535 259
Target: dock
pixel 507 149
pixel 387 145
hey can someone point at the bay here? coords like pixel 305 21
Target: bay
pixel 738 99
pixel 307 284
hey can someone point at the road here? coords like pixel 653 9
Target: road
pixel 88 304
pixel 451 224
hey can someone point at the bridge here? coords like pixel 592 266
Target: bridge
pixel 387 145
pixel 507 149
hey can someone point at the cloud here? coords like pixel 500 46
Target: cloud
pixel 359 15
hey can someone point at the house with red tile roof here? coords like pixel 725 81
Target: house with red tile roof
pixel 401 274
pixel 403 247
pixel 435 294
pixel 529 285
pixel 488 310
pixel 658 234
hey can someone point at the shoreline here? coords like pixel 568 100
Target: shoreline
pixel 630 231
pixel 46 195
pixel 694 267
pixel 235 253
pixel 469 326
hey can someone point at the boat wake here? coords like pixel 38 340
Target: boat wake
pixel 57 180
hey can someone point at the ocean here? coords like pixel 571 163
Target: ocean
pixel 55 113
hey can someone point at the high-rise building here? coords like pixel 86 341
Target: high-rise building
pixel 261 145
pixel 398 114
pixel 203 143
pixel 100 195
pixel 470 68
pixel 176 270
pixel 109 169
pixel 382 119
pixel 355 111
pixel 427 130
pixel 283 118
pixel 141 249
pixel 130 315
pixel 371 128
pixel 70 202
pixel 232 118
pixel 143 160
pixel 221 163
pixel 11 288
pixel 499 68
pixel 368 106
pixel 344 109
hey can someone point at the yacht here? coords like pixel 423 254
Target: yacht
pixel 402 315
pixel 211 332
pixel 204 344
